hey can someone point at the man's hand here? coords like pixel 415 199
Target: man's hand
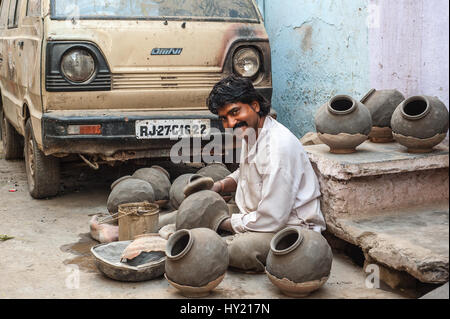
pixel 227 185
pixel 217 187
pixel 226 225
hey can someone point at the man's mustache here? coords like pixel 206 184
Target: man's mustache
pixel 240 124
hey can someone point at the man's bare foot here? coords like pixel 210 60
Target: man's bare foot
pixel 104 233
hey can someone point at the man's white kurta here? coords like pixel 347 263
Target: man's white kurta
pixel 276 184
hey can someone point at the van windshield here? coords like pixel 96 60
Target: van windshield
pixel 155 9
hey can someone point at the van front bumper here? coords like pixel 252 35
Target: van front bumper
pixel 117 140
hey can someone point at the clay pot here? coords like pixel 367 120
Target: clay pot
pixel 176 192
pixel 197 183
pixel 381 105
pixel 299 261
pixel 129 190
pixel 202 209
pixel 197 260
pixel 420 123
pixel 343 123
pixel 217 171
pixel 158 177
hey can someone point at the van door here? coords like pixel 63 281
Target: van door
pixel 10 91
pixel 29 60
pixel 4 6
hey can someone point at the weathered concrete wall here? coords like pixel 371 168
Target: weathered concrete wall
pixel 323 47
pixel 319 49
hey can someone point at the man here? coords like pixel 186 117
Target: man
pixel 275 184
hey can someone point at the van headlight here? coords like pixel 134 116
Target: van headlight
pixel 246 62
pixel 78 65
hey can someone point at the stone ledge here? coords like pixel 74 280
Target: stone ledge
pixel 375 159
pixel 415 242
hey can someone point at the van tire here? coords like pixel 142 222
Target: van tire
pixel 12 141
pixel 43 172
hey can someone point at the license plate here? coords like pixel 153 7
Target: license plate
pixel 174 129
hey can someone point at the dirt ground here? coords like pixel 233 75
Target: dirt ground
pixel 51 242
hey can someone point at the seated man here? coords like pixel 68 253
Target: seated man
pixel 275 184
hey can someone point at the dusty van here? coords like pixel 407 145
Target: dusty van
pixel 110 80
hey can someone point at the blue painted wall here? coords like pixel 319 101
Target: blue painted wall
pixel 319 49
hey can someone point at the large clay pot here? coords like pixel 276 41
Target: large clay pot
pixel 420 123
pixel 205 209
pixel 176 192
pixel 343 123
pixel 381 105
pixel 197 260
pixel 129 190
pixel 299 261
pixel 158 177
pixel 217 171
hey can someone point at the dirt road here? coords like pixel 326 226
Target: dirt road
pixel 51 244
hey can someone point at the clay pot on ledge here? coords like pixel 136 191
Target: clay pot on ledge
pixel 420 123
pixel 343 123
pixel 299 261
pixel 381 105
pixel 196 261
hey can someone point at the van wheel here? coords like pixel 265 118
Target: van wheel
pixel 42 171
pixel 12 141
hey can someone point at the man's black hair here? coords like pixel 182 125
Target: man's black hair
pixel 233 90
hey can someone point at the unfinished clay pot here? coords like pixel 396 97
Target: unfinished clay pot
pixel 420 123
pixel 202 209
pixel 299 261
pixel 248 251
pixel 197 260
pixel 176 192
pixel 129 190
pixel 217 171
pixel 158 177
pixel 197 183
pixel 381 105
pixel 343 123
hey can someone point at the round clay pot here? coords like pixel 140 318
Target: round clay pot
pixel 205 209
pixel 176 192
pixel 196 262
pixel 381 105
pixel 158 177
pixel 343 123
pixel 419 123
pixel 197 183
pixel 217 171
pixel 129 190
pixel 299 261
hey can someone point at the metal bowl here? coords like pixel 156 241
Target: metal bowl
pixel 107 259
